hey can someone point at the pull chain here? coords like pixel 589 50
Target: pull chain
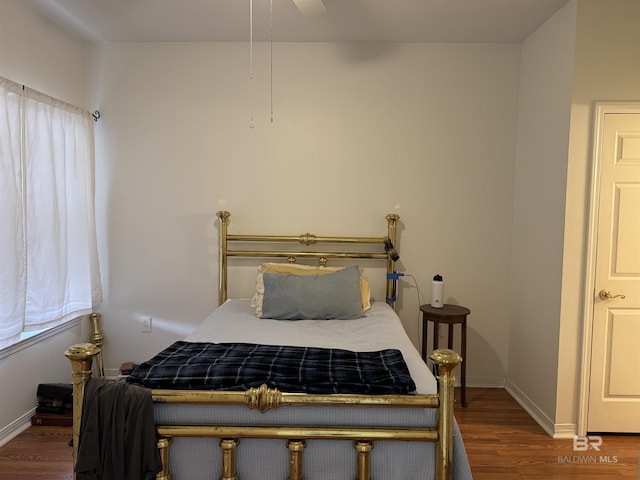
pixel 251 123
pixel 251 86
pixel 271 57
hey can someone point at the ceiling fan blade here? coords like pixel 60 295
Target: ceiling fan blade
pixel 310 8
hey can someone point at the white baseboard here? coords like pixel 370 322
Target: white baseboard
pixel 16 427
pixel 531 408
pixel 565 430
pixel 485 382
pixel 554 430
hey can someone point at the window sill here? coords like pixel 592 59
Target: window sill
pixel 39 337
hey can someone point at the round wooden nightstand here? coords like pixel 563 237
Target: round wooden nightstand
pixel 451 315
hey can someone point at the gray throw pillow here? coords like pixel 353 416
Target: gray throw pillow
pixel 329 296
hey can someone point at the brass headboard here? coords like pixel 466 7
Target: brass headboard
pixel 385 250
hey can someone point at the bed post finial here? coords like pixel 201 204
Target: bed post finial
pixel 392 218
pixel 223 220
pixel 223 215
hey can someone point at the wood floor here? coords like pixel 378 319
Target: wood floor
pixel 38 453
pixel 502 442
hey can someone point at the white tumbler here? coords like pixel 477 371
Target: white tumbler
pixel 437 292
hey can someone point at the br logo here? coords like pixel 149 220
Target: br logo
pixel 586 443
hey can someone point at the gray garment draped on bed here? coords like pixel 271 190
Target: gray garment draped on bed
pixel 117 434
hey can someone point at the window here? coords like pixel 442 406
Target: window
pixel 49 270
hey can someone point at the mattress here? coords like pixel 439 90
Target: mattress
pixel 380 328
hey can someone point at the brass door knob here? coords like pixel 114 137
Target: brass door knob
pixel 607 295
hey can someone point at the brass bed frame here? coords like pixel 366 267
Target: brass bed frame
pixel 264 398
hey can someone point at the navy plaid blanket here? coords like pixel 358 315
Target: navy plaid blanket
pixel 240 366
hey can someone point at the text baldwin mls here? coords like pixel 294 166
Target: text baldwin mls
pixel 587 459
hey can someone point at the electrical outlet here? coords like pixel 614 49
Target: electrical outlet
pixel 146 324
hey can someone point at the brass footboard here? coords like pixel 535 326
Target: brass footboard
pixel 263 399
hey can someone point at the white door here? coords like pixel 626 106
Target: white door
pixel 614 384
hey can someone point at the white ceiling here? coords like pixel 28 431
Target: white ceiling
pixel 430 21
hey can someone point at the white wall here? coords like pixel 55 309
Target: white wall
pixel 588 52
pixel 546 75
pixel 38 54
pixel 427 131
pixel 607 68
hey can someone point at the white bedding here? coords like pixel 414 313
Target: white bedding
pixel 380 328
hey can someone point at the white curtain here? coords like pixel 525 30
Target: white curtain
pixel 49 270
